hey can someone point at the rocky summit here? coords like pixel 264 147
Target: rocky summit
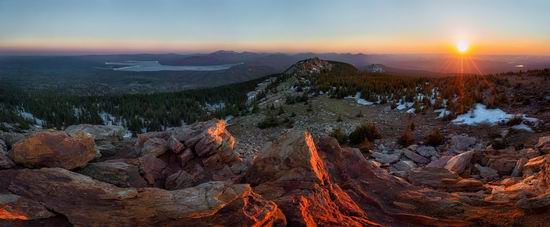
pixel 192 176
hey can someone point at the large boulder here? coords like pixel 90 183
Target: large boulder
pixel 461 143
pixel 11 138
pixel 5 161
pixel 54 149
pixel 97 132
pixel 459 162
pixel 106 137
pixel 427 151
pixel 415 157
pixel 87 202
pixel 115 172
pixel 386 158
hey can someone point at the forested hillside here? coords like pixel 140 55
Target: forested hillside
pixel 138 112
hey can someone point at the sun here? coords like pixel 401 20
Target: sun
pixel 462 46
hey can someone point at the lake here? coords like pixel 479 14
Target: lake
pixel 152 66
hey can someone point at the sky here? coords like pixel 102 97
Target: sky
pixel 354 26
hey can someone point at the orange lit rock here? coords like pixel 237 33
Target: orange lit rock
pixel 14 207
pixel 54 149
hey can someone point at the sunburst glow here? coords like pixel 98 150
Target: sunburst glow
pixel 462 46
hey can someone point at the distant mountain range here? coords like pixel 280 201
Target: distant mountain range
pixel 434 63
pixel 89 74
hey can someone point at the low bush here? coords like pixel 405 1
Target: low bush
pixel 435 138
pixel 340 135
pixel 268 122
pixel 364 131
pixel 406 139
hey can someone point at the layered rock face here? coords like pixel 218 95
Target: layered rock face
pixel 212 203
pixel 192 177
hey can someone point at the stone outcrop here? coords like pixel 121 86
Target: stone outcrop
pixel 189 156
pixel 87 202
pixel 299 174
pixel 97 132
pixel 459 162
pixel 5 161
pixel 11 138
pixel 54 149
pixel 296 180
pixel 290 172
pixel 107 138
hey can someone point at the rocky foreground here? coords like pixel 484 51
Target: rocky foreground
pixel 89 176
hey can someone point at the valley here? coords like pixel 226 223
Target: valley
pixel 376 149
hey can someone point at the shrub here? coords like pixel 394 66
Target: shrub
pixel 435 138
pixel 364 131
pixel 393 105
pixel 366 146
pixel 406 139
pixel 340 135
pixel 411 126
pixel 268 122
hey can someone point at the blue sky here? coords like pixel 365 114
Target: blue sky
pixel 371 26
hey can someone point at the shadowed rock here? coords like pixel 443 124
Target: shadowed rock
pixel 87 202
pixel 5 161
pixel 118 173
pixel 14 207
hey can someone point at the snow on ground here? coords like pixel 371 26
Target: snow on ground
pixel 480 114
pixel 411 110
pixel 357 99
pixel 404 105
pixel 108 119
pixel 214 106
pixel 442 112
pixel 39 123
pixel 522 126
pixel 363 102
pixel 127 134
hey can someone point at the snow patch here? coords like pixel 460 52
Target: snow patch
pixel 357 99
pixel 442 112
pixel 480 114
pixel 523 127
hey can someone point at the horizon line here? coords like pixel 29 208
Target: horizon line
pixel 206 52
